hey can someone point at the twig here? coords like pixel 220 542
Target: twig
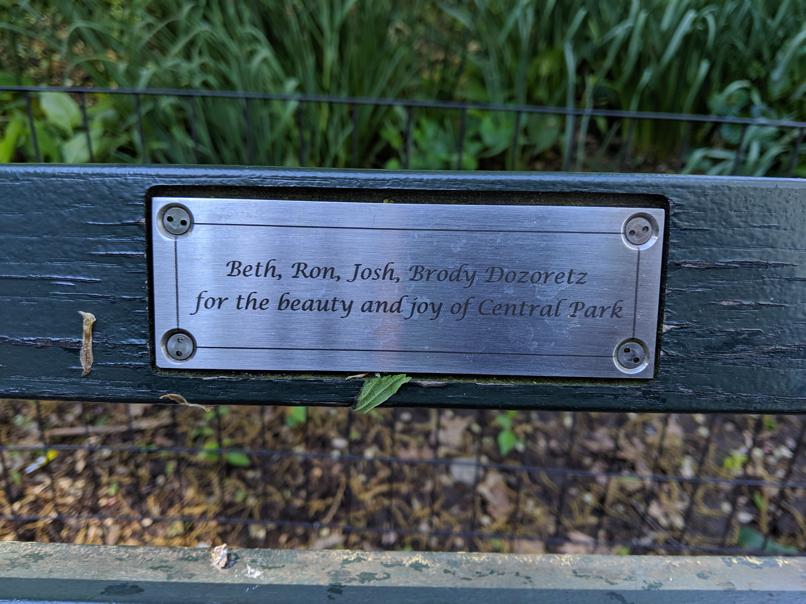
pixel 86 342
pixel 334 507
pixel 139 424
pixel 181 400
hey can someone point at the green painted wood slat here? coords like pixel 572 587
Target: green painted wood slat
pixel 733 329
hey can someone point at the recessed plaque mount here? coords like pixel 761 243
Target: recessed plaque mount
pixel 326 286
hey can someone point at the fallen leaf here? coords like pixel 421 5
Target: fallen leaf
pixel 452 430
pixel 88 320
pixel 528 546
pixel 329 541
pixel 667 510
pixel 600 441
pixel 463 471
pixel 112 535
pixel 577 543
pixel 414 453
pixel 494 490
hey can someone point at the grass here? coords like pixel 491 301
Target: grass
pixel 737 57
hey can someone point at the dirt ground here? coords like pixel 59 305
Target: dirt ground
pixel 168 474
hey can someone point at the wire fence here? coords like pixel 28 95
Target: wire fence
pixel 243 127
pixel 400 478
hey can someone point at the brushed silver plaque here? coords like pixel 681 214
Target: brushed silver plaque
pixel 325 286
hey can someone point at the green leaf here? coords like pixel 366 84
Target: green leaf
pixel 237 458
pixel 76 151
pixel 210 451
pixel 544 132
pixel 8 142
pixel 296 416
pixel 392 136
pixel 734 462
pixel 60 110
pixel 49 145
pixel 504 420
pixel 506 441
pixel 495 133
pixel 750 538
pixel 760 502
pixel 378 390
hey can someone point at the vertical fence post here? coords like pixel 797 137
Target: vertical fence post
pixel 572 438
pixel 460 145
pixel 472 532
pixel 626 146
pixel 795 155
pixel 353 135
pixel 737 156
pixel 713 422
pixel 194 134
pixel 407 135
pixel 570 129
pixel 144 157
pixel 516 130
pixel 29 108
pixel 779 496
pixel 5 469
pixel 250 130
pixel 301 132
pixel 654 470
pixel 82 103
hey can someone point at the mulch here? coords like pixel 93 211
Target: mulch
pixel 252 476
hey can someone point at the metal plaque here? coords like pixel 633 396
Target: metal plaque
pixel 325 286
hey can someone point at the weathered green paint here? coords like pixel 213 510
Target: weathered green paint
pixel 36 571
pixel 734 325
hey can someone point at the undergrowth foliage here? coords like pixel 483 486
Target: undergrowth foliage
pixel 737 58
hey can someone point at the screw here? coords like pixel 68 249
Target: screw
pixel 176 220
pixel 638 230
pixel 630 356
pixel 180 345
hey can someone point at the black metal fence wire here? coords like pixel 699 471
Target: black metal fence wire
pixel 440 479
pixel 402 478
pixel 578 134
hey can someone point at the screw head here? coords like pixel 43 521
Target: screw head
pixel 630 356
pixel 179 345
pixel 176 220
pixel 638 230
